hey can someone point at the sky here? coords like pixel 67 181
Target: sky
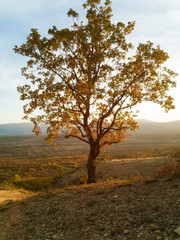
pixel 157 21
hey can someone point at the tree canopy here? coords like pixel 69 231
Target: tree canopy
pixel 85 86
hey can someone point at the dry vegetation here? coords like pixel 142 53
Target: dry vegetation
pixel 131 201
pixel 29 162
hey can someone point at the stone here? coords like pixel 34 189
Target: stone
pixel 154 226
pixel 106 235
pixel 177 230
pixel 140 228
pixel 126 231
pixel 55 236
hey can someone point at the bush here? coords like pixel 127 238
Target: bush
pixel 172 169
pixel 16 178
pixel 35 184
pixel 83 179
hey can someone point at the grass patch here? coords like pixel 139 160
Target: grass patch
pixel 35 184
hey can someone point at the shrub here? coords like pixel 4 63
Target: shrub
pixel 83 179
pixel 137 177
pixel 35 184
pixel 172 169
pixel 16 178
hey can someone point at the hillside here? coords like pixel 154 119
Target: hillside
pixel 109 211
pixel 151 127
pixel 128 203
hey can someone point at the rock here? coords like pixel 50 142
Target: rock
pixel 55 236
pixel 177 230
pixel 106 235
pixel 126 231
pixel 154 226
pixel 140 228
pixel 119 237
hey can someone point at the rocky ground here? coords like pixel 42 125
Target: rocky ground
pixel 144 210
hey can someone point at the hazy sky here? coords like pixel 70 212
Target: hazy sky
pixel 156 20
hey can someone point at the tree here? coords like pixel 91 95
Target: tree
pixel 83 84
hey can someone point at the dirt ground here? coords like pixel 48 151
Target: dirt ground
pixel 125 168
pixel 145 210
pixel 111 211
pixel 119 169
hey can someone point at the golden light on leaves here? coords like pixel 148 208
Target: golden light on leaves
pixel 83 83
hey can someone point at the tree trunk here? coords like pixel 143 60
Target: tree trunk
pixel 91 168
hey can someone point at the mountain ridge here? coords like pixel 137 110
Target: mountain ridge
pixel 145 126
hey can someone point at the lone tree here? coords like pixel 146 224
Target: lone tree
pixel 83 84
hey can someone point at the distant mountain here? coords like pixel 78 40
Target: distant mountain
pixel 16 128
pixel 150 127
pixel 145 127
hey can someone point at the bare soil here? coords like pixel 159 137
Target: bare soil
pixel 125 168
pixel 119 169
pixel 123 210
pixel 113 211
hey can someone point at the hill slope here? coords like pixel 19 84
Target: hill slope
pixel 158 127
pixel 112 211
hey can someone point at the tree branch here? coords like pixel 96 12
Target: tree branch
pixel 70 135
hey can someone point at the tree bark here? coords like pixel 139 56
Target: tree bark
pixel 91 168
